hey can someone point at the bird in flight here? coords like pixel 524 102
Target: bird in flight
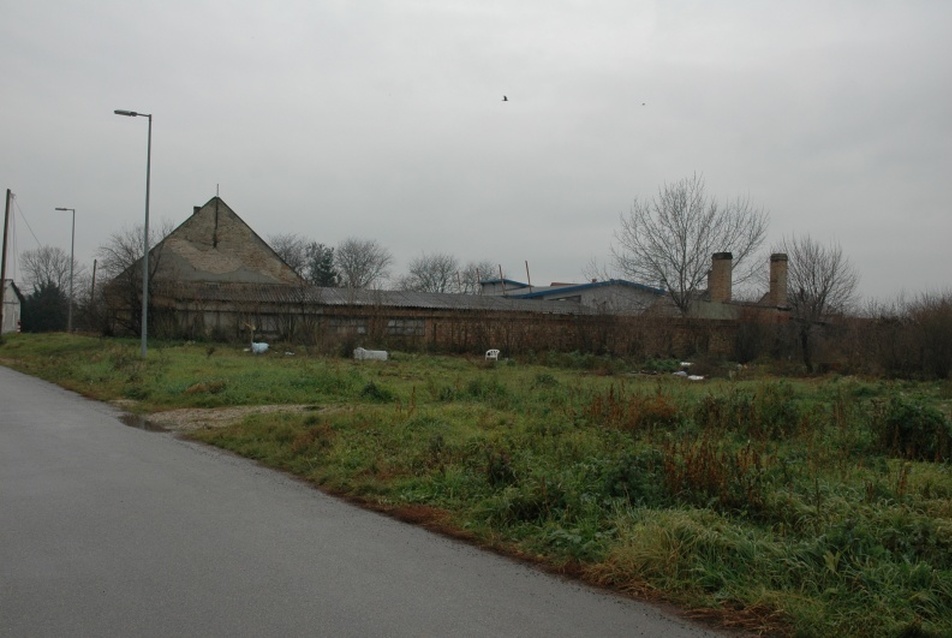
pixel 505 99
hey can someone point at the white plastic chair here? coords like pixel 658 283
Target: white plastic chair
pixel 492 354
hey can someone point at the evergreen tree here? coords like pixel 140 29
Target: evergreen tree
pixel 320 266
pixel 46 310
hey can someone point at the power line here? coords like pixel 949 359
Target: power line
pixel 17 204
pixel 13 235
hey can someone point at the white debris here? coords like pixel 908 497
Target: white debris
pixel 689 377
pixel 361 354
pixel 259 347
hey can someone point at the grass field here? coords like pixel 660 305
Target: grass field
pixel 803 507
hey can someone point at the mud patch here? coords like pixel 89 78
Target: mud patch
pixel 141 423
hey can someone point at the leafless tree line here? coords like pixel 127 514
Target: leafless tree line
pixel 360 263
pixel 442 272
pixel 50 265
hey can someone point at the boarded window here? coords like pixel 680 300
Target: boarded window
pixel 405 327
pixel 343 325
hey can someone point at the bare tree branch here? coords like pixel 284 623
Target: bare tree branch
pixel 821 283
pixel 49 265
pixel 311 260
pixel 668 241
pixel 362 263
pixel 436 272
pixel 474 273
pixel 292 249
pixel 595 271
pixel 120 262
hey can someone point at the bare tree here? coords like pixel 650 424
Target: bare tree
pixel 911 337
pixel 435 272
pixel 668 241
pixel 120 264
pixel 362 263
pixel 124 248
pixel 595 271
pixel 931 319
pixel 310 259
pixel 474 273
pixel 49 265
pixel 292 249
pixel 821 283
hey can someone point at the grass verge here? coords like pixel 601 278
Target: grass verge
pixel 781 506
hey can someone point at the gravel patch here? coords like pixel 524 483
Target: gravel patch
pixel 188 419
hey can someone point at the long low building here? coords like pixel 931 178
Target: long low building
pixel 215 278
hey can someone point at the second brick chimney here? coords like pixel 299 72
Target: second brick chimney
pixel 777 295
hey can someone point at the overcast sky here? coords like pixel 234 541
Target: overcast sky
pixel 384 119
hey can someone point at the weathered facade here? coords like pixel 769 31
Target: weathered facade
pixel 214 245
pixel 12 302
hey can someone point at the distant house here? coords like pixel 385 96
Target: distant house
pixel 12 303
pixel 621 297
pixel 614 296
pixel 213 247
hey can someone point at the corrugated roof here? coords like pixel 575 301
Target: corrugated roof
pixel 542 291
pixel 318 296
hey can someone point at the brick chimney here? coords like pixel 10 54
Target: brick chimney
pixel 719 277
pixel 777 294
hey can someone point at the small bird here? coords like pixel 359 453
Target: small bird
pixel 505 99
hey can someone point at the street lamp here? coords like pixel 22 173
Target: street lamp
pixel 72 247
pixel 145 232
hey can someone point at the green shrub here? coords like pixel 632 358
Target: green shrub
pixel 482 388
pixel 545 380
pixel 914 431
pixel 376 393
pixel 635 477
pixel 499 470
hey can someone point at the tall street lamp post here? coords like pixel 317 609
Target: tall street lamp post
pixel 145 232
pixel 72 247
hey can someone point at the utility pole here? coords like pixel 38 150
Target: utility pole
pixel 3 258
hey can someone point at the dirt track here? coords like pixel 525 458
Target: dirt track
pixel 188 419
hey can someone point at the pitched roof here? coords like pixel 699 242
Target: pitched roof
pixel 215 244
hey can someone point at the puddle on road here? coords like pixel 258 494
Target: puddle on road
pixel 140 422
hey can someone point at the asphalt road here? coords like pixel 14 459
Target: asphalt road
pixel 109 530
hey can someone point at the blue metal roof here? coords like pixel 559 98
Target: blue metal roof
pixel 547 291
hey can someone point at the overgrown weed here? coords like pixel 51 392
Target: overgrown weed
pixel 800 506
